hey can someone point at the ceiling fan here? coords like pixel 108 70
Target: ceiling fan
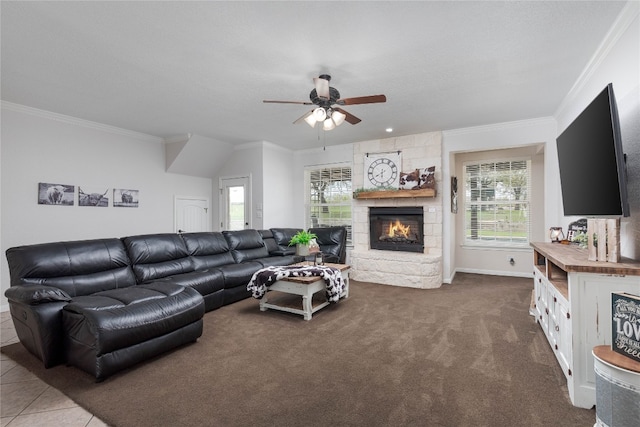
pixel 326 98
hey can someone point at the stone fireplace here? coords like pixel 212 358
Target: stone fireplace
pixel 397 229
pixel 372 259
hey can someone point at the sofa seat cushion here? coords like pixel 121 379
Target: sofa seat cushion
pixel 119 318
pixel 239 274
pixel 204 281
pixel 278 261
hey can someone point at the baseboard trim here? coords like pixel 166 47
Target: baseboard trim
pixel 493 272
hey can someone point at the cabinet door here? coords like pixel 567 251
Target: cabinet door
pixel 560 330
pixel 554 327
pixel 538 290
pixel 542 307
pixel 564 338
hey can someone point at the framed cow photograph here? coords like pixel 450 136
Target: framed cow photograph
pixel 93 196
pixel 123 198
pixel 56 194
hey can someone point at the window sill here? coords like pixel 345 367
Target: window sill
pixel 497 247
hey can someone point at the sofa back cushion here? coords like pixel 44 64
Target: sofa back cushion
pixel 245 245
pixel 332 242
pixel 155 256
pixel 282 237
pixel 208 250
pixel 78 268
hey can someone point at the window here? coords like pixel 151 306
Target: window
pixel 497 203
pixel 328 194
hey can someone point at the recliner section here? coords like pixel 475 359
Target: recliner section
pixel 106 304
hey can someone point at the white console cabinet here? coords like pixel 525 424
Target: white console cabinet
pixel 572 304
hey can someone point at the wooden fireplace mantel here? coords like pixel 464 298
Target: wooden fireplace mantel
pixel 400 194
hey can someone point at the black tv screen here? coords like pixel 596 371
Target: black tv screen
pixel 591 160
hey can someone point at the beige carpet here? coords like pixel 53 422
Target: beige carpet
pixel 467 354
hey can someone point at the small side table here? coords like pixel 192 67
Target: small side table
pixel 617 388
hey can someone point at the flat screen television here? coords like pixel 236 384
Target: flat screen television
pixel 592 163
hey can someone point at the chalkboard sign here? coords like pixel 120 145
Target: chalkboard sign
pixel 625 324
pixel 579 226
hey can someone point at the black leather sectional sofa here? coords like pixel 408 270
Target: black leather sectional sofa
pixel 106 304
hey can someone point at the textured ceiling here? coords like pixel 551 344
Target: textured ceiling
pixel 171 68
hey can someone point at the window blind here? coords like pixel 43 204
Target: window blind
pixel 328 197
pixel 497 205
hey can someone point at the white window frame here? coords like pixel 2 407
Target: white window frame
pixel 344 193
pixel 509 238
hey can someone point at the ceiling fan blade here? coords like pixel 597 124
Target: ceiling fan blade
pixel 267 101
pixel 322 87
pixel 371 99
pixel 350 117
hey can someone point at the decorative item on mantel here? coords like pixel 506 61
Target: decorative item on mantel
pixel 383 182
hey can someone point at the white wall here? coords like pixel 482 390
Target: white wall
pixel 277 187
pixel 44 147
pixel 618 62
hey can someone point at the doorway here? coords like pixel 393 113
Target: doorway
pixel 192 214
pixel 235 196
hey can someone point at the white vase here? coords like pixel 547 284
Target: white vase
pixel 302 250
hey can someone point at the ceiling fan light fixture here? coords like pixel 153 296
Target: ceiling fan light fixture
pixel 320 114
pixel 328 124
pixel 338 117
pixel 311 120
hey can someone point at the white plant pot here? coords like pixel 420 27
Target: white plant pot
pixel 302 250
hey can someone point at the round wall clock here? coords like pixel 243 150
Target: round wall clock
pixel 383 172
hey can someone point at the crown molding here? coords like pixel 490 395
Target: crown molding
pixel 628 14
pixel 501 126
pixel 79 122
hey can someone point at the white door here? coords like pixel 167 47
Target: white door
pixel 234 203
pixel 192 215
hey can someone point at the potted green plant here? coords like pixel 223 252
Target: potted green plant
pixel 302 239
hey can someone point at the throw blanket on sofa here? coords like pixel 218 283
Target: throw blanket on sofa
pixel 263 278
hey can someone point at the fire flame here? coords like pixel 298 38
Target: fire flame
pixel 398 228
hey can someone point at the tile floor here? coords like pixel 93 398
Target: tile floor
pixel 27 400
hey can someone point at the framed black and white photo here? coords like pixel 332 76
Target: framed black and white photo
pixel 93 196
pixel 56 194
pixel 123 198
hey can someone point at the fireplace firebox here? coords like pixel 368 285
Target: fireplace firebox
pixel 397 229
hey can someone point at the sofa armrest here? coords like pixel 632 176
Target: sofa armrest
pixel 39 327
pixel 36 294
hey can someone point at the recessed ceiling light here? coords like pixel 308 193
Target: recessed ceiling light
pixel 389 130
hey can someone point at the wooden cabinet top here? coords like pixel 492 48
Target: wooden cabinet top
pixel 572 259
